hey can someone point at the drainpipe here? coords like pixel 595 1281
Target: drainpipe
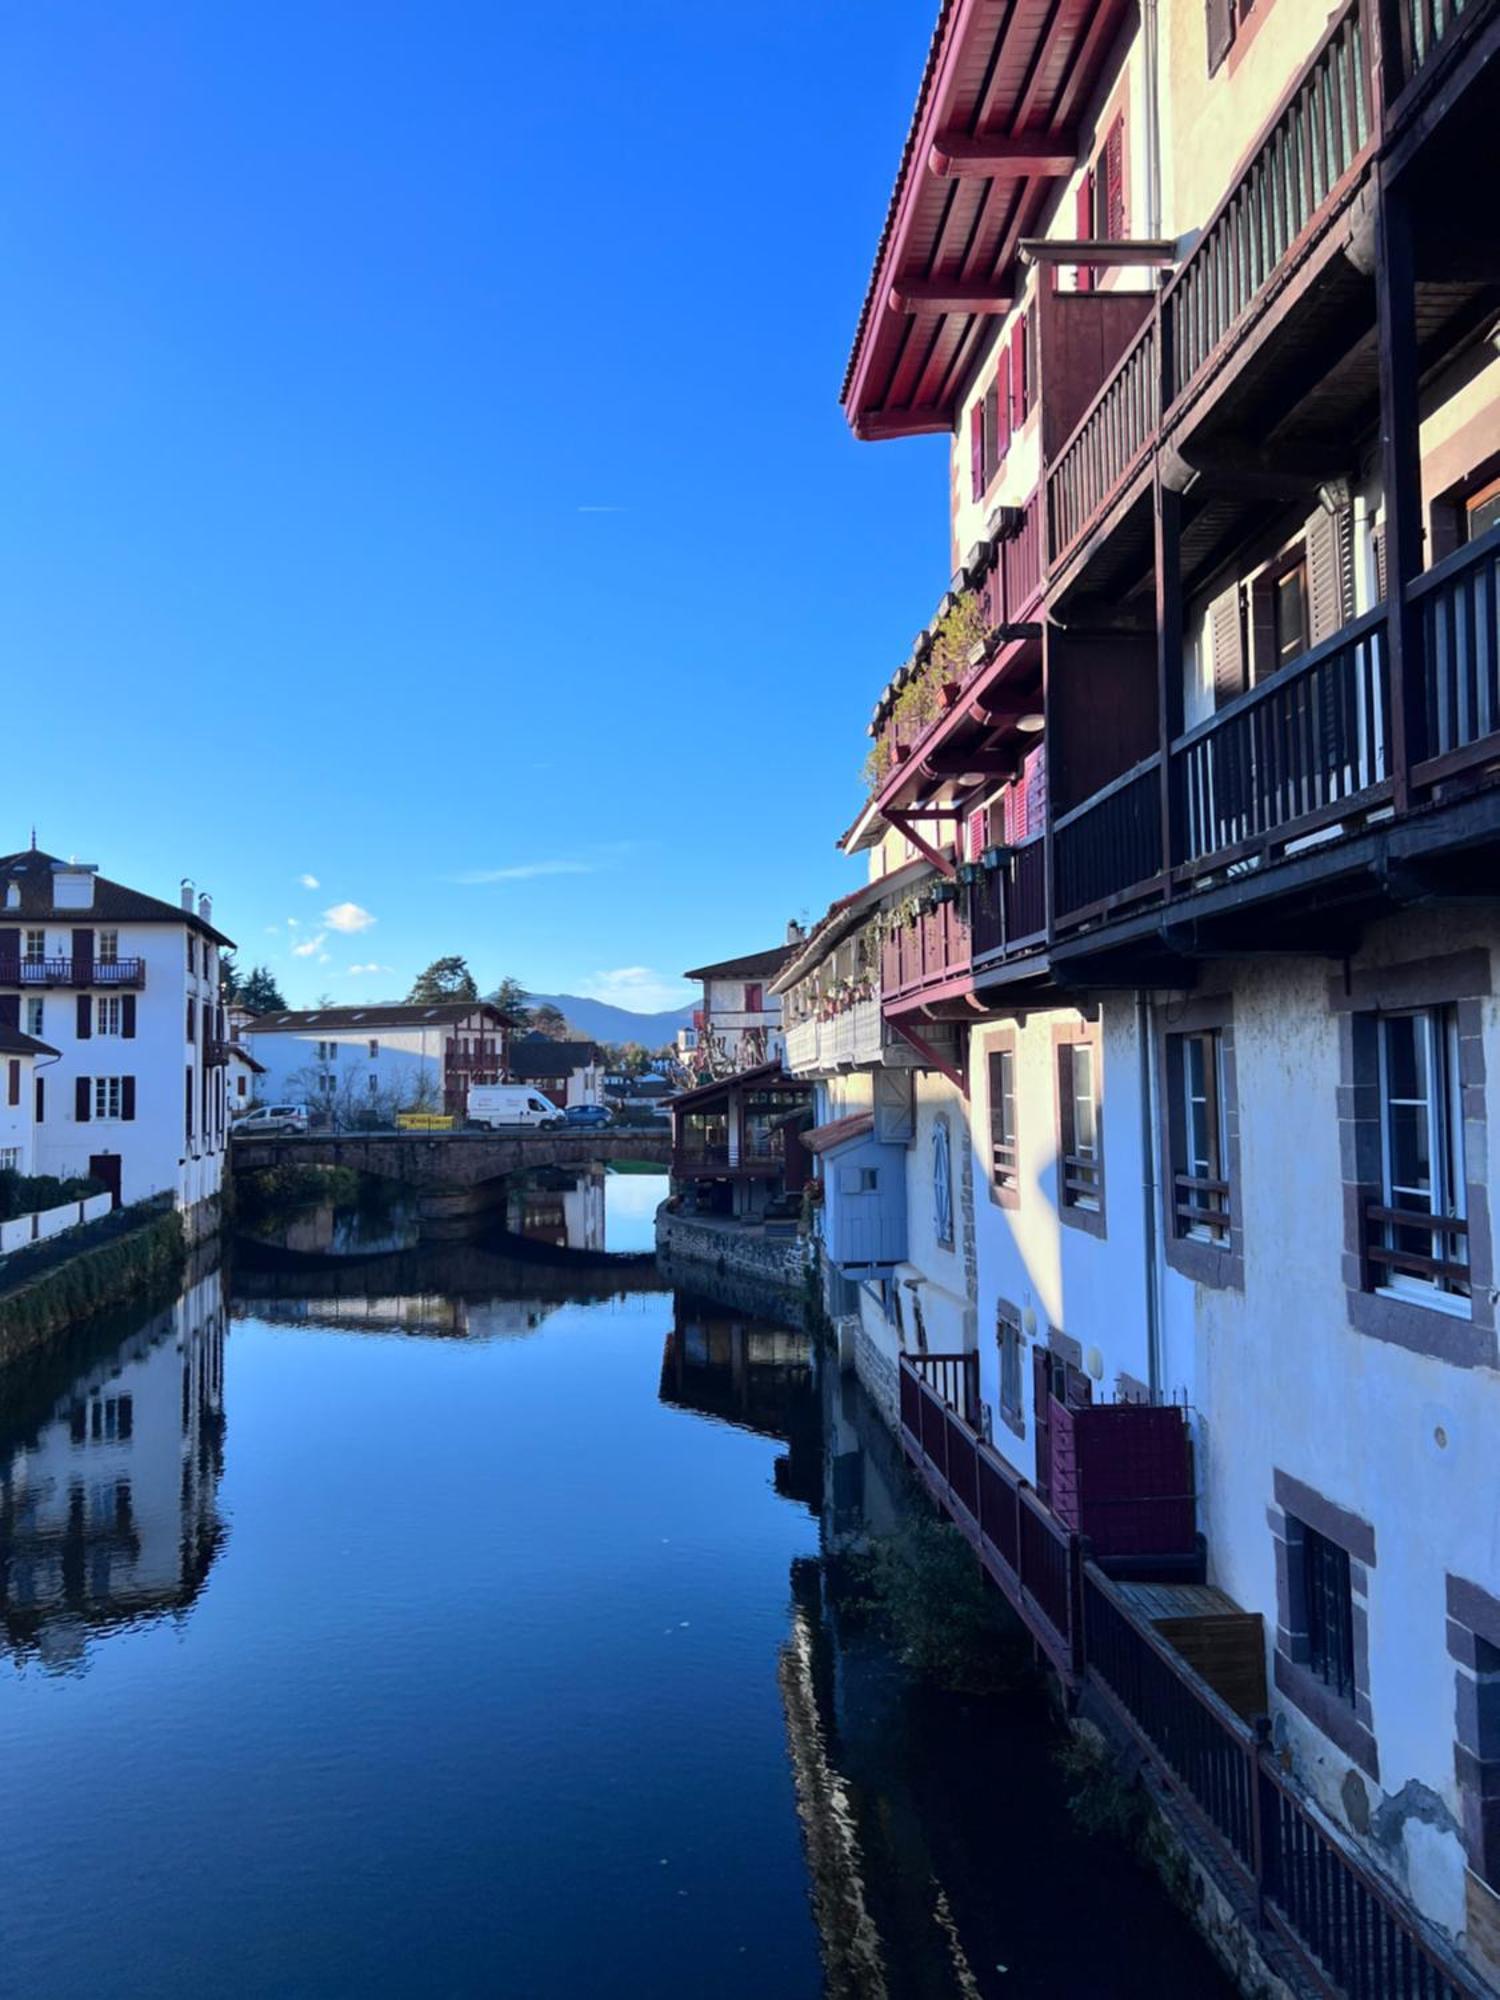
pixel 1145 1034
pixel 1149 26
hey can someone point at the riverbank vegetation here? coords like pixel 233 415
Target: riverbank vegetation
pixel 26 1194
pixel 272 1192
pixel 923 1588
pixel 49 1287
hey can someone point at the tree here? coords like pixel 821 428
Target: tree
pixel 510 997
pixel 550 1021
pixel 445 979
pixel 259 992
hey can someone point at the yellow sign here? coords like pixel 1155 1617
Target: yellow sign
pixel 423 1121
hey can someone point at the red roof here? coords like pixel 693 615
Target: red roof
pixel 842 1132
pixel 1015 73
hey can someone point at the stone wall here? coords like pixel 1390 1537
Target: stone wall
pixel 744 1267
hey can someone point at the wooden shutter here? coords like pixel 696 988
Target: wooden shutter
pixel 41 1099
pixel 1018 376
pixel 85 1017
pixel 1001 394
pixel 1113 163
pixel 10 946
pixel 10 1010
pixel 1084 226
pixel 1065 1131
pixel 1227 638
pixel 1445 531
pixel 13 1080
pixel 83 957
pixel 81 1088
pixel 974 843
pixel 127 1097
pixel 127 1016
pixel 1220 31
pixel 994 449
pixel 1377 540
pixel 1330 572
pixel 976 451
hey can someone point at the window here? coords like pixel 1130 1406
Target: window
pixel 107 1097
pixel 1422 1158
pixel 112 1419
pixel 35 1016
pixel 1328 1608
pixel 1081 1177
pixel 107 1014
pixel 1200 1170
pixel 1482 511
pixel 107 950
pixel 327 1051
pixel 755 998
pixel 1289 632
pixel 192 953
pixel 10 1159
pixel 942 1184
pixel 36 946
pixel 374 1049
pixel 1008 1336
pixel 1004 1159
pixel 326 1083
pixel 374 1086
pixel 1226 21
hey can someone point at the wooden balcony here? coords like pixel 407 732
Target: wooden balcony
pixel 1008 904
pixel 111 972
pixel 934 952
pixel 1108 850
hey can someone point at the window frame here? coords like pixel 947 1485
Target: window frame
pixel 108 1014
pixel 1010 1392
pixel 1219 1263
pixel 1442 1108
pixel 1338 1704
pixel 1079 1207
pixel 1004 1179
pixel 107 1090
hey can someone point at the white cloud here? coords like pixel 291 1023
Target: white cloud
pixel 325 958
pixel 524 871
pixel 273 930
pixel 309 946
pixel 309 881
pixel 292 923
pixel 639 987
pixel 348 917
pixel 360 971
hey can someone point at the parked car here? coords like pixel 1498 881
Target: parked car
pixel 588 1114
pixel 498 1105
pixel 274 1118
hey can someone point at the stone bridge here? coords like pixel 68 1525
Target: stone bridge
pixel 431 1163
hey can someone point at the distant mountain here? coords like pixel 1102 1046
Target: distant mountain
pixel 598 1021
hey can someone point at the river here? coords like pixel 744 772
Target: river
pixel 468 1620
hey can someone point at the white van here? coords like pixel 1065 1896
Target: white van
pixel 498 1105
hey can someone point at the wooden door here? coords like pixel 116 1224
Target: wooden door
pixel 106 1167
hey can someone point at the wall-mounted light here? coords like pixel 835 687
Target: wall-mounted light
pixel 1032 724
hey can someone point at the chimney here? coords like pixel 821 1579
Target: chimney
pixel 187 895
pixel 795 933
pixel 206 908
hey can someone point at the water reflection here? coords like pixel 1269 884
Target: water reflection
pixel 109 1476
pixel 755 1375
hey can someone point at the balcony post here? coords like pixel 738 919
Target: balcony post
pixel 1049 809
pixel 1401 478
pixel 1167 512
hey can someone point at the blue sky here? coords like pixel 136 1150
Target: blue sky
pixel 426 499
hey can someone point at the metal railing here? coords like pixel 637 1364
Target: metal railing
pixel 1347 1929
pixel 1299 750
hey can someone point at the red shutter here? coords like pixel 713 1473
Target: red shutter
pixel 85 1017
pixel 976 451
pixel 1114 181
pixel 81 1088
pixel 1018 377
pixel 127 1097
pixel 1084 229
pixel 976 829
pixel 13 1080
pixel 127 1016
pixel 1001 393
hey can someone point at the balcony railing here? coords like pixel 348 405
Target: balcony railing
pixel 1013 582
pixel 1108 444
pixel 1306 747
pixel 700 1156
pixel 1460 623
pixel 113 972
pixel 1314 149
pixel 1111 844
pixel 1008 904
pixel 1347 1931
pixel 936 948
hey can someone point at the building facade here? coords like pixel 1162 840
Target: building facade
pixel 739 1024
pixel 569 1072
pixel 22 1059
pixel 1195 975
pixel 357 1066
pixel 125 989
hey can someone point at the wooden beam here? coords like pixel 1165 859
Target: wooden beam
pixel 943 863
pixel 956 156
pixel 977 763
pixel 913 422
pixel 948 295
pixel 929 1054
pixel 1154 250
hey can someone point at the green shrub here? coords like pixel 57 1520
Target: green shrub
pixel 924 1587
pixel 22 1194
pixel 274 1191
pixel 54 1285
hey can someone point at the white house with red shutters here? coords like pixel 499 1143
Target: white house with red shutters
pixel 120 991
pixel 739 1024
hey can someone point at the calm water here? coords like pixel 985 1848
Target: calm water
pixel 463 1627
